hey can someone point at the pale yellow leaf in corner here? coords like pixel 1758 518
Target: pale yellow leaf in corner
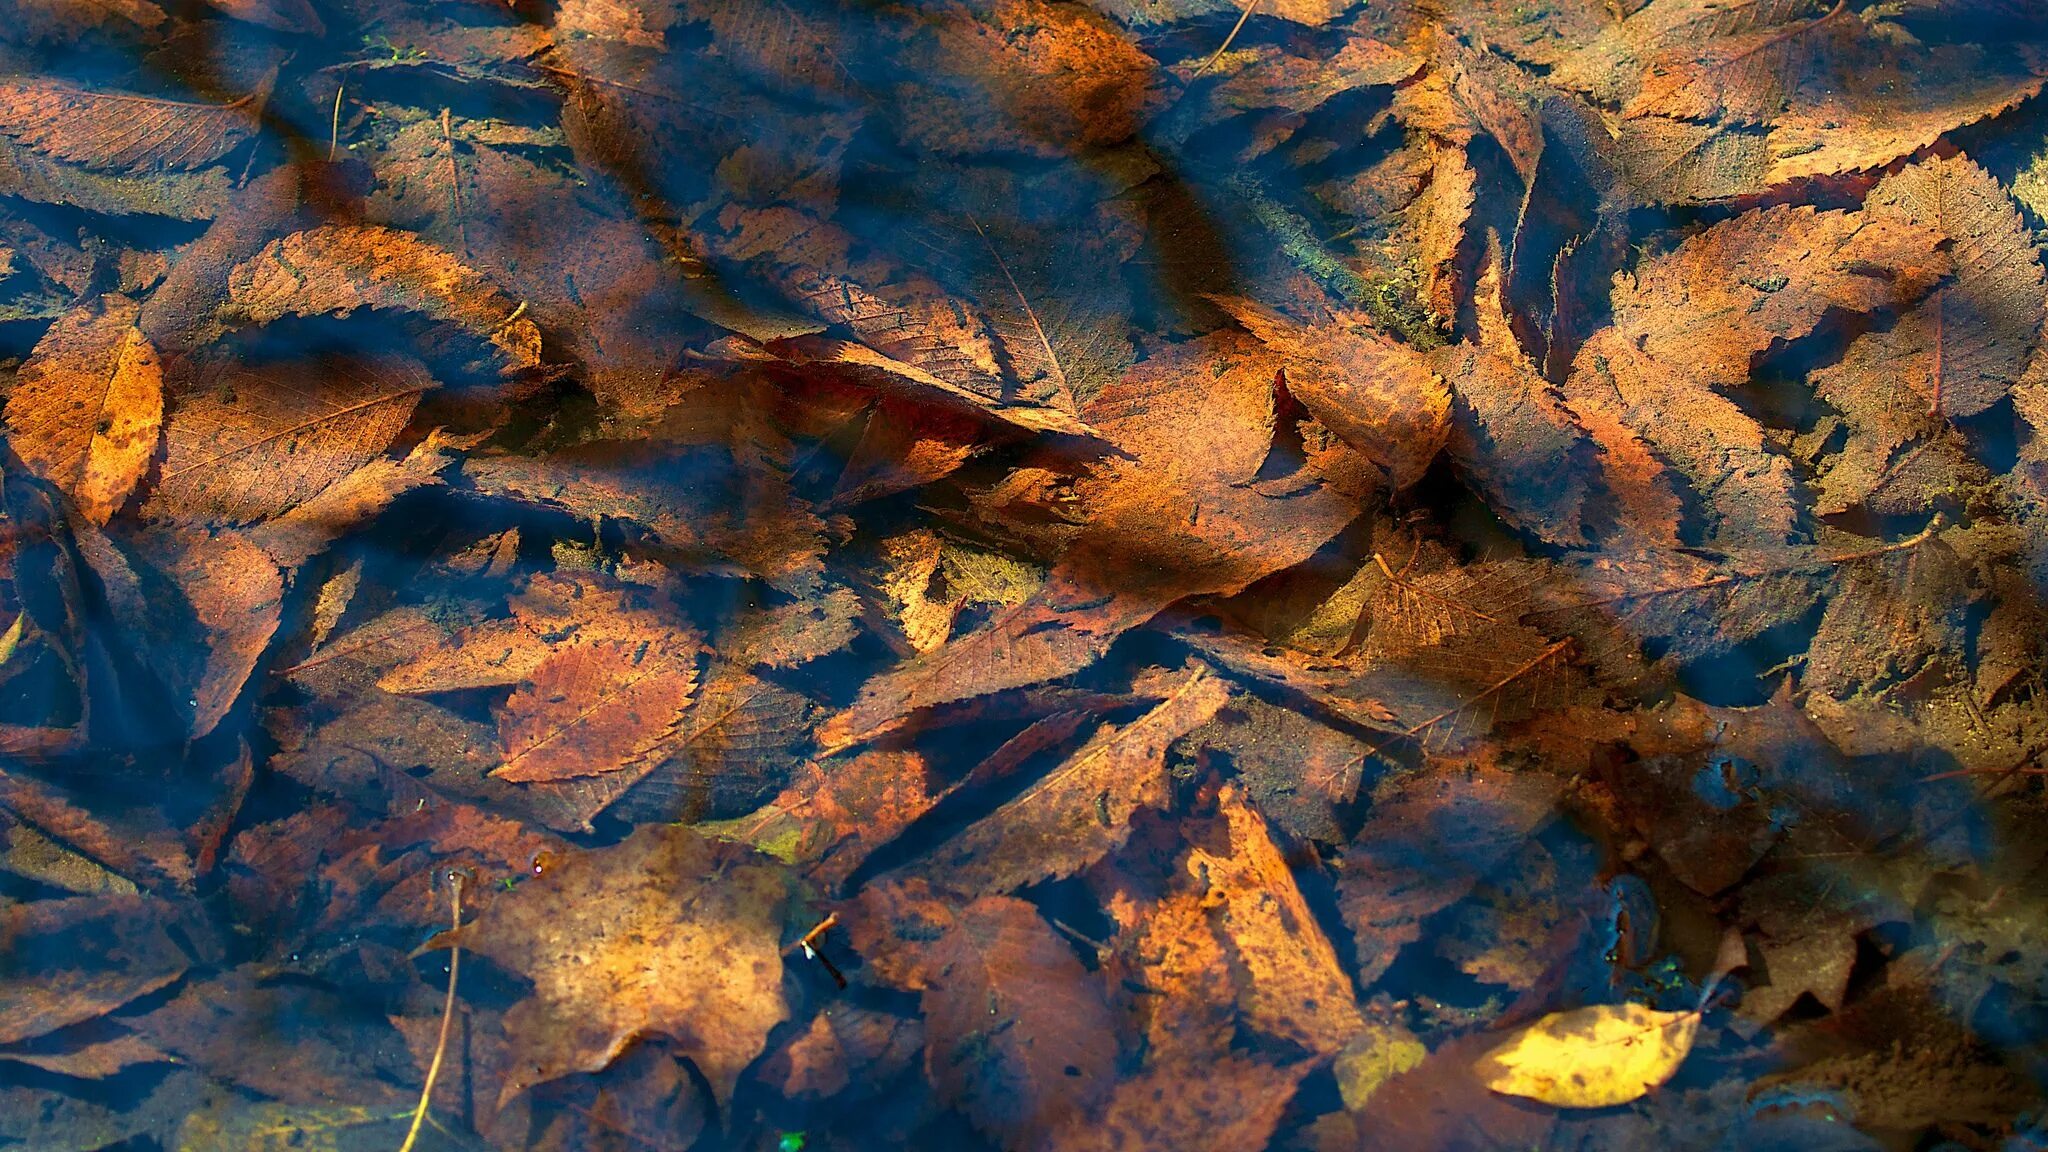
pixel 1591 1057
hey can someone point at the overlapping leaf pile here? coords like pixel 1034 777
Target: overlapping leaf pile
pixel 1023 574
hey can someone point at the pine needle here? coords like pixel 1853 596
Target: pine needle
pixel 419 1114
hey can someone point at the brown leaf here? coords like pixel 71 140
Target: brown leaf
pixel 749 517
pixel 739 739
pixel 120 132
pixel 846 1047
pixel 837 812
pixel 1180 513
pixel 611 298
pixel 1961 349
pixel 1206 1106
pixel 200 195
pixel 46 20
pixel 246 443
pixel 664 933
pixel 1173 979
pixel 1008 1009
pixel 911 382
pixel 87 405
pixel 596 708
pixel 1289 983
pixel 1689 323
pixel 1038 77
pixel 78 959
pixel 1313 13
pixel 1430 837
pixel 1082 809
pixel 1750 77
pixel 1511 433
pixel 228 603
pixel 904 316
pixel 351 502
pixel 337 268
pixel 1381 397
pixel 298 1041
pixel 296 16
pixel 1726 101
pixel 95 1059
pixel 1301 773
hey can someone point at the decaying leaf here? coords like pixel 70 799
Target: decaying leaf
pixel 120 132
pixel 1176 516
pixel 666 933
pixel 1290 985
pixel 1382 398
pixel 58 941
pixel 1429 839
pixel 1682 334
pixel 1008 1008
pixel 87 407
pixel 595 708
pixel 1081 809
pixel 248 443
pixel 336 269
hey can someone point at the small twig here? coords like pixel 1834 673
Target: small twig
pixel 811 950
pixel 334 129
pixel 1249 8
pixel 419 1114
pixel 810 940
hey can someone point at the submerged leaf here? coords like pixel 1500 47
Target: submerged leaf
pixel 666 933
pixel 338 268
pixel 120 132
pixel 87 406
pixel 1593 1057
pixel 246 443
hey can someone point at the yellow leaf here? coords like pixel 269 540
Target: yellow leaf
pixel 1591 1057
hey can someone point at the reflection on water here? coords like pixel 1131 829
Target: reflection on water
pixel 1025 574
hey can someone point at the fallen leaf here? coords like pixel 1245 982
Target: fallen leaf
pixel 90 955
pixel 87 406
pixel 1593 1057
pixel 1289 983
pixel 246 443
pixel 1081 809
pixel 1381 397
pixel 338 268
pixel 596 708
pixel 122 132
pixel 665 933
pixel 1231 1103
pixel 1008 1008
pixel 1175 518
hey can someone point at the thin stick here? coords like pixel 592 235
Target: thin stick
pixel 334 130
pixel 419 1114
pixel 1249 8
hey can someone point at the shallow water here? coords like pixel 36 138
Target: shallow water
pixel 1021 574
